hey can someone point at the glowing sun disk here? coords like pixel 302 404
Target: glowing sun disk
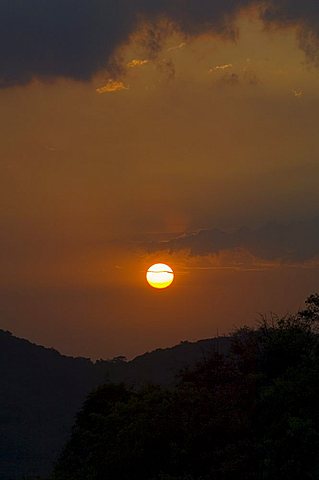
pixel 160 275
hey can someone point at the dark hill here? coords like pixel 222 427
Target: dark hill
pixel 161 365
pixel 41 391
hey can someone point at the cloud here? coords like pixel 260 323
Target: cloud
pixel 221 67
pixel 137 63
pixel 303 14
pixel 295 242
pixel 225 75
pixel 112 86
pixel 229 78
pixel 297 93
pixel 78 38
pixel 177 47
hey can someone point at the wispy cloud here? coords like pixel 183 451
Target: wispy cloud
pixel 291 243
pixel 112 86
pixel 220 67
pixel 225 75
pixel 177 47
pixel 297 93
pixel 136 63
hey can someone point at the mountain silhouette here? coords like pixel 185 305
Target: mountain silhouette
pixel 42 390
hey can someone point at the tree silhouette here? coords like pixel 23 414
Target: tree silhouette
pixel 252 414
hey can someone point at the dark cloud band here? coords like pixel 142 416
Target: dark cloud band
pixel 295 242
pixel 78 38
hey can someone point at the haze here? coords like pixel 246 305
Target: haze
pixel 108 171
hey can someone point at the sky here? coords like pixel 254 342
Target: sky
pixel 176 131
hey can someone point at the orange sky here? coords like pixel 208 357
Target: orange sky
pixel 95 175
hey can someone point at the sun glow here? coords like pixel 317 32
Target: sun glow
pixel 160 275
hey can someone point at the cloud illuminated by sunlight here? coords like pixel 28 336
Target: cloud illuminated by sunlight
pixel 221 67
pixel 298 93
pixel 112 86
pixel 136 63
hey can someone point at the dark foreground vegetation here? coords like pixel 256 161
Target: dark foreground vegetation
pixel 41 391
pixel 251 414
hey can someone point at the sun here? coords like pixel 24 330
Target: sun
pixel 160 275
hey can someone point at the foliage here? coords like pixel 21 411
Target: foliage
pixel 42 390
pixel 252 414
